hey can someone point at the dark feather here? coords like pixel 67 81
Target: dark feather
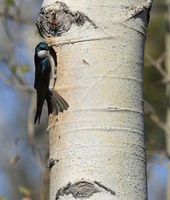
pixel 41 84
pixel 54 55
pixel 63 103
pixel 56 101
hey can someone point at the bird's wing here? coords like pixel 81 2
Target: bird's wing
pixel 37 67
pixel 54 55
pixel 41 84
pixel 42 72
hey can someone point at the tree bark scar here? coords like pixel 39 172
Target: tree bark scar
pixel 57 19
pixel 51 162
pixel 105 188
pixel 81 189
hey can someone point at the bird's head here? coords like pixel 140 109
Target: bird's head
pixel 42 50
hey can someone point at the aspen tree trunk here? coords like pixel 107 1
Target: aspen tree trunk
pixel 167 43
pixel 98 144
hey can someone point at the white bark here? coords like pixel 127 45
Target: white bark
pixel 100 139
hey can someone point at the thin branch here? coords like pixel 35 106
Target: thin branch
pixel 21 87
pixel 149 109
pixel 158 63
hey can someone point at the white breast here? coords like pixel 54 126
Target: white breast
pixel 42 54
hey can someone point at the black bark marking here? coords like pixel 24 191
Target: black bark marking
pixel 81 189
pixel 56 20
pixel 85 62
pixel 105 188
pixel 148 14
pixel 138 11
pixel 51 162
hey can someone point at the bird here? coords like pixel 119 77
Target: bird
pixel 45 60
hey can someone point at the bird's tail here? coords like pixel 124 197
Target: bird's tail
pixel 40 102
pixel 55 102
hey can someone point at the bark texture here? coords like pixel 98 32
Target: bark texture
pixel 99 142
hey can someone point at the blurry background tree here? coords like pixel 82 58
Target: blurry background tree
pixel 24 148
pixel 22 163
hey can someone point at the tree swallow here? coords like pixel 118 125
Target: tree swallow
pixel 45 61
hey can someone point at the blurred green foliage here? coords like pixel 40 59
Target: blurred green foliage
pixel 2 198
pixel 154 89
pixel 24 191
pixel 9 2
pixel 24 68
